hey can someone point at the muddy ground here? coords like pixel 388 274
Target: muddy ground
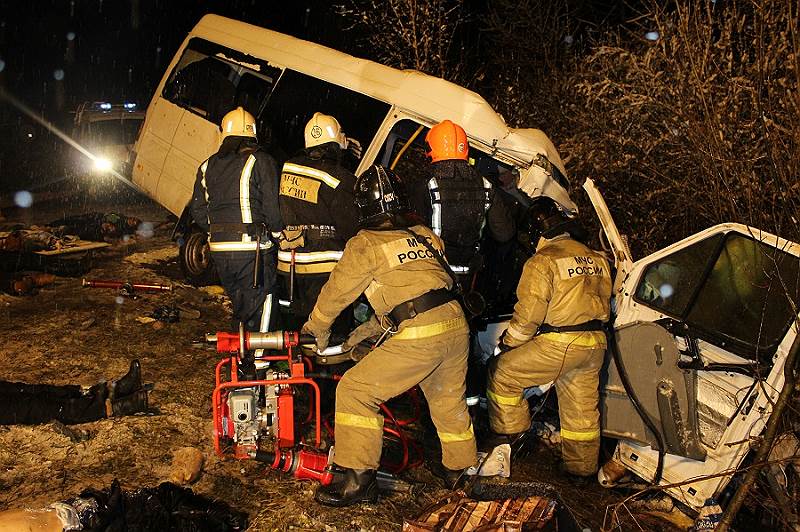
pixel 68 334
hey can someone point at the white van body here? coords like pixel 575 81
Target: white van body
pixel 176 138
pixel 283 81
pixel 729 345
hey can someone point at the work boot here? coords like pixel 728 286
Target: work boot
pixel 453 478
pixel 496 439
pixel 128 383
pixel 357 485
pixel 579 481
pixel 133 403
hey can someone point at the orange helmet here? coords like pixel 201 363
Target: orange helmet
pixel 447 140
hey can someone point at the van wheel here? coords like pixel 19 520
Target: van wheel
pixel 195 259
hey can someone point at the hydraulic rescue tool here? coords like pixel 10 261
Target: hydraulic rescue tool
pixel 255 416
pixel 125 287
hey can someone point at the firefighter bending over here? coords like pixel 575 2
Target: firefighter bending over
pixel 458 202
pixel 407 286
pixel 556 334
pixel 236 200
pixel 317 205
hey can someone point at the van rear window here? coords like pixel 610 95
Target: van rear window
pixel 210 80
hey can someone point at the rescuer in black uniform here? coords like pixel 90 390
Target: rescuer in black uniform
pixel 236 200
pixel 458 202
pixel 318 208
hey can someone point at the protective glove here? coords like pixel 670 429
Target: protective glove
pixel 355 147
pixel 502 346
pixel 369 328
pixel 320 333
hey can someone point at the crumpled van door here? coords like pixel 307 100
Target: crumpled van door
pixel 703 328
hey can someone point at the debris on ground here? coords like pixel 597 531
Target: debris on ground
pixel 97 225
pixel 496 508
pixel 34 239
pixel 213 290
pixel 187 464
pixel 28 282
pixel 188 312
pixel 661 506
pixel 166 313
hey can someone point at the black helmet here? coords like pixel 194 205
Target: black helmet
pixel 380 194
pixel 545 218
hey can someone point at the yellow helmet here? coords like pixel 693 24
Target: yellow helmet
pixel 238 123
pixel 322 129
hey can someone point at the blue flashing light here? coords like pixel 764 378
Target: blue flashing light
pixel 105 106
pixel 130 106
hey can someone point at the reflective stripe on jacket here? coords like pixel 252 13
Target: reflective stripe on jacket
pixel 237 185
pixel 317 192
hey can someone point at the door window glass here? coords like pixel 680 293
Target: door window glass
pixel 746 297
pixel 669 283
pixel 732 290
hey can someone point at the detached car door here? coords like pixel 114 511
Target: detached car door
pixel 702 329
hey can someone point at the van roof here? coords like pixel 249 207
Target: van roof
pixel 433 98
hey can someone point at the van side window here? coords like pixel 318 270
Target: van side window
pixel 210 80
pixel 297 97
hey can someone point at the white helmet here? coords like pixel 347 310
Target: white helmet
pixel 322 129
pixel 238 123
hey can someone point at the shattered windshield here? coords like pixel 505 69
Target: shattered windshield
pixel 731 290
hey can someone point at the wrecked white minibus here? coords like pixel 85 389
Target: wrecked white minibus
pixel 702 328
pixel 283 81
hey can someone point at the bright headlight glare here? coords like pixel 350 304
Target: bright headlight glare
pixel 101 163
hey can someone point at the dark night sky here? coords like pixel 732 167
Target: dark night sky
pixel 56 54
pixel 121 47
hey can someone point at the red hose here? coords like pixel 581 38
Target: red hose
pixel 393 428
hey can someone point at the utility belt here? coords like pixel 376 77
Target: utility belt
pixel 253 229
pixel 589 326
pixel 418 305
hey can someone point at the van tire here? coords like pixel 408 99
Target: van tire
pixel 195 260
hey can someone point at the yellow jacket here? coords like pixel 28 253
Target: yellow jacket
pixel 564 283
pixel 389 266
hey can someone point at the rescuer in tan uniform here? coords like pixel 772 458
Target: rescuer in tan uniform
pixel 555 335
pixel 407 285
